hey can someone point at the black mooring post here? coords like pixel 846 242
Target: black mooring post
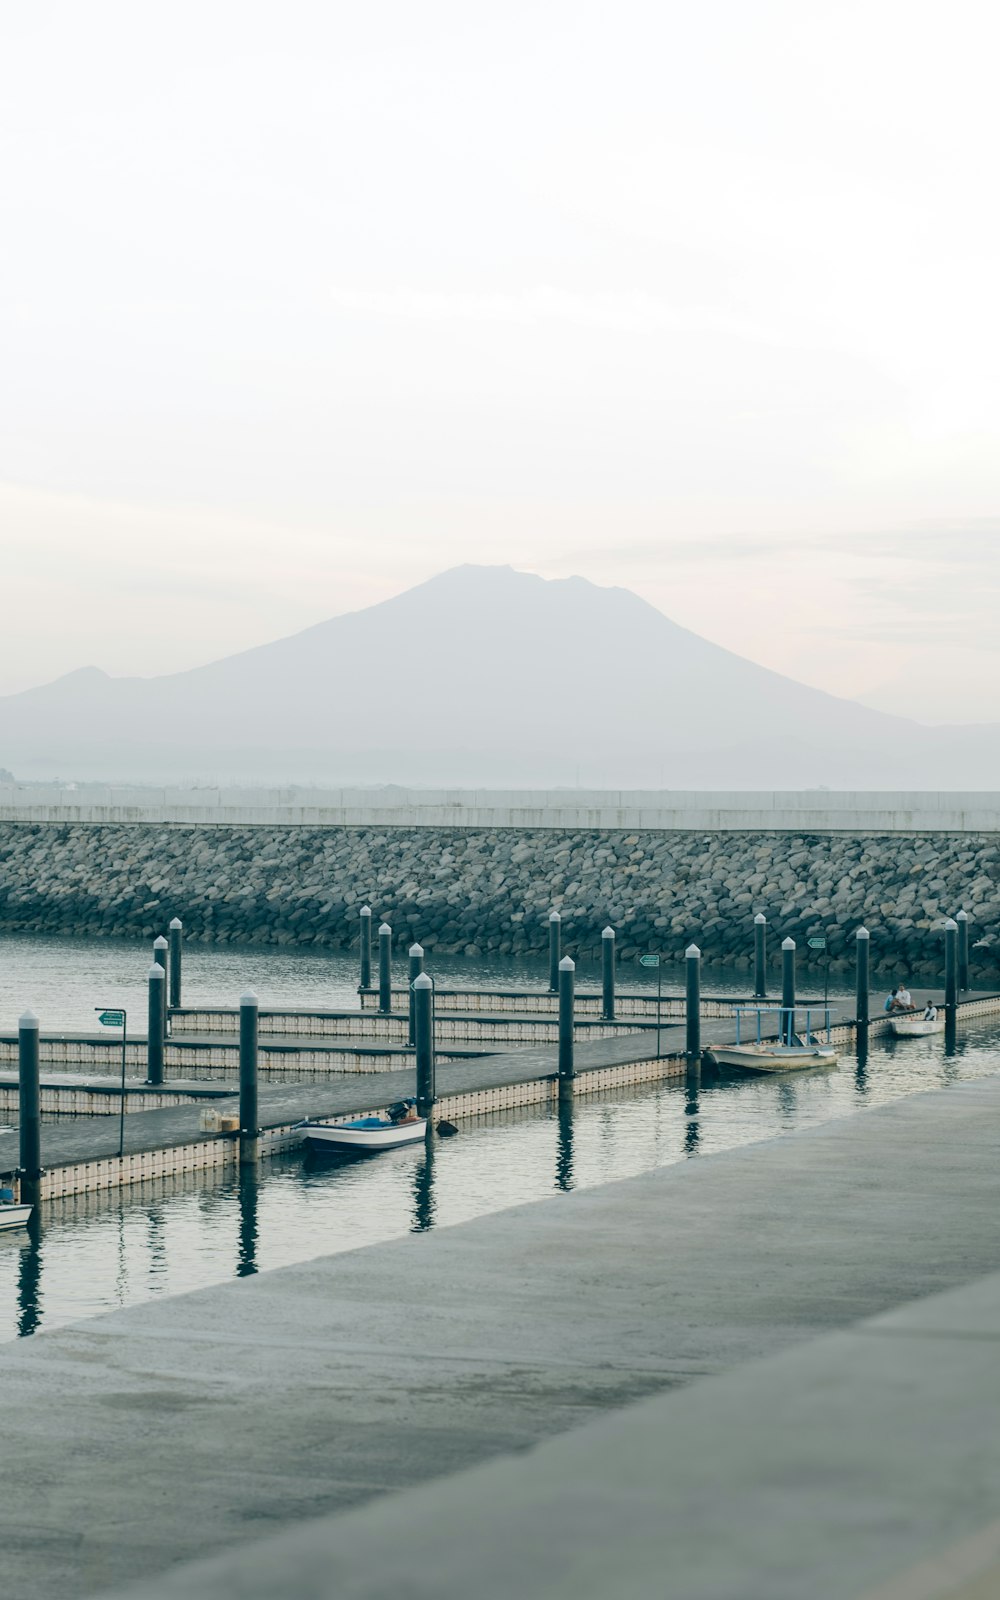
pixel 567 984
pixel 692 1003
pixel 249 1130
pixel 862 996
pixel 963 949
pixel 951 966
pixel 608 974
pixel 154 1025
pixel 160 956
pixel 29 1112
pixel 365 928
pixel 760 956
pixel 787 990
pixel 416 955
pixel 423 1017
pixel 555 945
pixel 385 968
pixel 176 934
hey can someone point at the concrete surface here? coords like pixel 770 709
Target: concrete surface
pixel 868 1457
pixel 811 810
pixel 175 1429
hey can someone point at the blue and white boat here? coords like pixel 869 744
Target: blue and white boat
pixel 367 1133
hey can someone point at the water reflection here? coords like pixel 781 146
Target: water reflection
pixel 692 1130
pixel 424 1206
pixel 564 1143
pixel 861 1068
pixel 249 1199
pixel 29 1280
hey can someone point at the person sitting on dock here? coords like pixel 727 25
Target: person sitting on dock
pixel 902 1000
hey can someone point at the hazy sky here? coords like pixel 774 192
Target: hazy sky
pixel 303 302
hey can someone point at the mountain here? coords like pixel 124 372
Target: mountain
pixel 484 676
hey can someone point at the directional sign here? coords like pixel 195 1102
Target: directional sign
pixel 112 1019
pixel 649 961
pixel 817 944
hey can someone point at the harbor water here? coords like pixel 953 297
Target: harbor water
pixel 90 1254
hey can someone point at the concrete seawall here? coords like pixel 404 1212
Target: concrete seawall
pixel 472 890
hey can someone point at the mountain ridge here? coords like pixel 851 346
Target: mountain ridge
pixel 479 674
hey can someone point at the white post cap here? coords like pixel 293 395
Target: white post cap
pixel 554 916
pixel 759 918
pixel 384 928
pixel 788 944
pixel 156 971
pixel 961 916
pixel 365 911
pixel 248 998
pixel 567 964
pixel 175 922
pixel 862 933
pixel 608 933
pixel 951 926
pixel 416 950
pixel 160 943
pixel 422 981
pixel 27 1019
pixel 692 953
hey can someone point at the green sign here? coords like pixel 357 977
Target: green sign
pixel 817 944
pixel 112 1019
pixel 649 961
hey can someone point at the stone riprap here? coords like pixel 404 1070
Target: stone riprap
pixel 469 891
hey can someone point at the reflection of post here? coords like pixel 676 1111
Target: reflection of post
pixel 246 1264
pixel 29 1279
pixel 861 1071
pixel 423 1191
pixel 692 1133
pixel 564 1144
pixel 951 1032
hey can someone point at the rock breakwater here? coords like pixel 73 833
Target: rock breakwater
pixel 471 891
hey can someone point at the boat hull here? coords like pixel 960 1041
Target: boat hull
pixel 916 1027
pixel 336 1136
pixel 14 1217
pixel 765 1058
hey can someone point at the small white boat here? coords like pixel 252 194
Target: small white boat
pixel 363 1133
pixel 916 1027
pixel 771 1057
pixel 14 1216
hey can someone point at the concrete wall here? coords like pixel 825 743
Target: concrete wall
pixel 467 890
pixel 681 811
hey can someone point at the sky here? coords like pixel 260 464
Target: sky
pixel 300 305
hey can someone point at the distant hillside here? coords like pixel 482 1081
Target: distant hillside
pixel 484 675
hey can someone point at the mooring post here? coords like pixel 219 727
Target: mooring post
pixel 416 954
pixel 608 974
pixel 29 1112
pixel 692 1003
pixel 862 988
pixel 249 1131
pixel 385 967
pixel 963 949
pixel 787 990
pixel 423 1017
pixel 951 966
pixel 555 946
pixel 567 983
pixel 365 915
pixel 160 956
pixel 760 956
pixel 176 933
pixel 154 1025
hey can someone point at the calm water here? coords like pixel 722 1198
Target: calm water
pixel 92 1254
pixel 65 980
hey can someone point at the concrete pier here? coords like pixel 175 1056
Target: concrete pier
pixel 287 1400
